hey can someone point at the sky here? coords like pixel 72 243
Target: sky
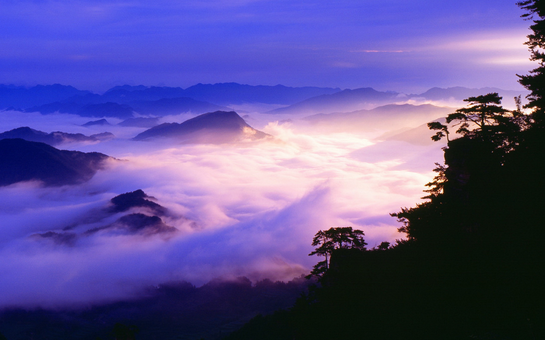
pixel 399 45
pixel 256 207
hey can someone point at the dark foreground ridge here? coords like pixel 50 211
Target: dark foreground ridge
pixel 471 263
pixel 171 311
pixel 213 127
pixel 21 160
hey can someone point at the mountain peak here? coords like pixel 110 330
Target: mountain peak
pixel 213 127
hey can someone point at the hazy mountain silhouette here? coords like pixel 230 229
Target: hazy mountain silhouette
pixel 142 217
pixel 100 122
pixel 222 93
pixel 108 109
pixel 126 93
pixel 103 136
pixel 140 122
pixel 172 310
pixel 55 107
pixel 21 160
pixel 23 97
pixel 53 138
pixel 174 106
pixel 213 127
pixel 233 93
pixel 104 109
pixel 346 100
pixel 135 199
pixel 136 224
pixel 383 117
pixel 60 238
pixel 461 93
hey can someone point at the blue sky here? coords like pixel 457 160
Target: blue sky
pixel 387 44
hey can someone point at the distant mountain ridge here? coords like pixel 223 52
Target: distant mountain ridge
pixel 343 101
pixel 52 98
pixel 233 93
pixel 213 127
pixel 461 93
pixel 53 138
pixel 23 97
pixel 391 116
pixel 124 101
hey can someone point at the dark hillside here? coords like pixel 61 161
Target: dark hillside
pixel 21 160
pixel 212 127
pixel 471 263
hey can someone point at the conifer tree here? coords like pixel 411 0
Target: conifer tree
pixel 535 80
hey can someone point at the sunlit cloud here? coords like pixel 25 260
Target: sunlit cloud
pixel 510 61
pixel 240 210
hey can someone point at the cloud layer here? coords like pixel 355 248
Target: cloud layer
pixel 248 209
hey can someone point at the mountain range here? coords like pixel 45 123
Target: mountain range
pixel 387 117
pixel 53 138
pixel 21 160
pixel 346 100
pixel 133 101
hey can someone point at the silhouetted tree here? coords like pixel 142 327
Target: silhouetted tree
pixel 383 246
pixel 484 118
pixel 535 81
pixel 124 332
pixel 335 238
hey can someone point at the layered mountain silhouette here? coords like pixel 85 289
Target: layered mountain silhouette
pixel 140 215
pixel 54 138
pixel 461 93
pixel 66 99
pixel 140 122
pixel 100 122
pixel 174 106
pixel 221 93
pixel 213 127
pixel 22 160
pixel 129 101
pixel 233 93
pixel 55 107
pixel 23 97
pixel 107 109
pixel 173 310
pixel 122 108
pixel 126 93
pixel 387 117
pixel 346 100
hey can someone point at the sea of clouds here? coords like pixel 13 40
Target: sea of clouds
pixel 249 209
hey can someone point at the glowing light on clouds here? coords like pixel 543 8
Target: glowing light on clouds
pixel 253 210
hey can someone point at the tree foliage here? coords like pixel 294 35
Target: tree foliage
pixel 326 242
pixel 483 118
pixel 535 80
pixel 472 264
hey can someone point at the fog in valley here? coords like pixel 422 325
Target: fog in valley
pixel 245 205
pixel 241 209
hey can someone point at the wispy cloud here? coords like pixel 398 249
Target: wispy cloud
pixel 255 210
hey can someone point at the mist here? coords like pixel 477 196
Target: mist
pixel 246 209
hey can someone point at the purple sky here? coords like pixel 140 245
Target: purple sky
pixel 387 44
